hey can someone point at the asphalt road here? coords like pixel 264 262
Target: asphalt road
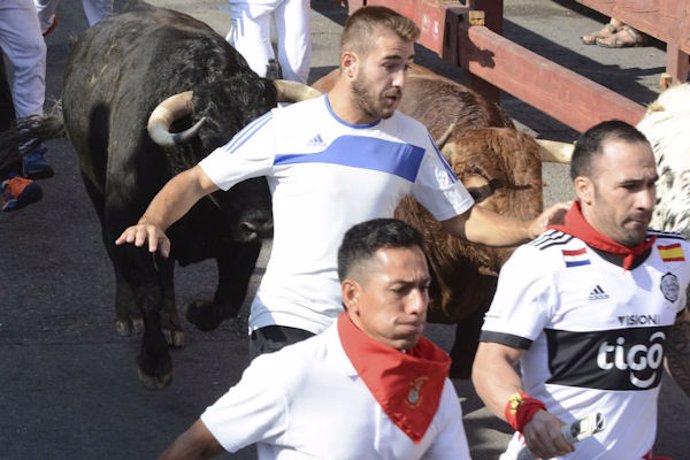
pixel 68 386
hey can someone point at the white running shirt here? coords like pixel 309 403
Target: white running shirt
pixel 325 176
pixel 306 401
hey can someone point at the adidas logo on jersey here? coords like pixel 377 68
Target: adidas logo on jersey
pixel 316 140
pixel 597 294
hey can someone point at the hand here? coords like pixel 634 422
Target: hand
pixel 550 216
pixel 544 438
pixel 139 233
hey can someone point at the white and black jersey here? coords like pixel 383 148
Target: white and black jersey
pixel 594 332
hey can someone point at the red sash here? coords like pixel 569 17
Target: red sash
pixel 576 225
pixel 408 386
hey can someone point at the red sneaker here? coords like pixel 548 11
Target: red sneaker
pixel 17 192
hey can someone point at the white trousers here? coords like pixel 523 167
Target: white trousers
pixel 95 10
pixel 250 34
pixel 23 44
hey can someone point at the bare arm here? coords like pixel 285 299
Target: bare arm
pixel 496 380
pixel 480 225
pixel 494 375
pixel 678 351
pixel 173 201
pixel 195 443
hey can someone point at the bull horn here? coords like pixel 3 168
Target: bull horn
pixel 441 141
pixel 173 108
pixel 555 151
pixel 292 91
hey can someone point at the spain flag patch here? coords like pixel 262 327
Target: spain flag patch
pixel 671 253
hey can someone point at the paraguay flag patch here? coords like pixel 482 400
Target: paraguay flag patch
pixel 671 253
pixel 575 257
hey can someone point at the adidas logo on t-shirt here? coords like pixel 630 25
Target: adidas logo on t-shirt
pixel 597 294
pixel 316 140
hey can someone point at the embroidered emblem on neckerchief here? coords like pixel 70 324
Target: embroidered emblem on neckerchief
pixel 407 386
pixel 414 397
pixel 576 225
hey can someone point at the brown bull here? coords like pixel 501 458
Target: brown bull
pixel 501 168
pixel 499 165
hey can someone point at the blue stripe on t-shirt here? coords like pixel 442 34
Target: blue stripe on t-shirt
pixel 247 132
pixel 402 160
pixel 343 122
pixel 440 156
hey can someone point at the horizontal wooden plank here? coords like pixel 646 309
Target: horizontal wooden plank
pixel 555 90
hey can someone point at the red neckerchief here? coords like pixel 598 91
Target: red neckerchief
pixel 408 386
pixel 576 225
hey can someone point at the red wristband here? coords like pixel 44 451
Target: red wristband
pixel 520 409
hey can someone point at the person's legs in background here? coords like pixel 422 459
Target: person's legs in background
pixel 250 34
pixel 22 42
pixel 46 14
pixel 293 27
pixel 15 191
pixel 615 34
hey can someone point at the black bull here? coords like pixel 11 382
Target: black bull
pixel 117 73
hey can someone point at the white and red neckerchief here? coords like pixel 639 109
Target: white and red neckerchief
pixel 576 225
pixel 407 386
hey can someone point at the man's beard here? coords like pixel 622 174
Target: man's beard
pixel 634 237
pixel 366 101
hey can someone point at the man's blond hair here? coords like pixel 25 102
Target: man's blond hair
pixel 364 23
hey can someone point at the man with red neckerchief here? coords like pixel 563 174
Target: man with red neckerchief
pixel 369 387
pixel 590 310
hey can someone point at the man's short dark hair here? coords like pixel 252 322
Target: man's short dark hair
pixel 363 23
pixel 363 240
pixel 591 143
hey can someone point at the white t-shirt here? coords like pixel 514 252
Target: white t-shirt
pixel 325 176
pixel 594 333
pixel 306 401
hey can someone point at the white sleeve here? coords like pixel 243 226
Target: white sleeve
pixel 451 443
pixel 437 187
pixel 249 154
pixel 521 306
pixel 252 411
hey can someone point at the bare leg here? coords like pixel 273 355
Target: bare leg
pixel 624 38
pixel 608 30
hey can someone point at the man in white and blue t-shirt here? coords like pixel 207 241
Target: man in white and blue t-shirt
pixel 332 162
pixel 589 310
